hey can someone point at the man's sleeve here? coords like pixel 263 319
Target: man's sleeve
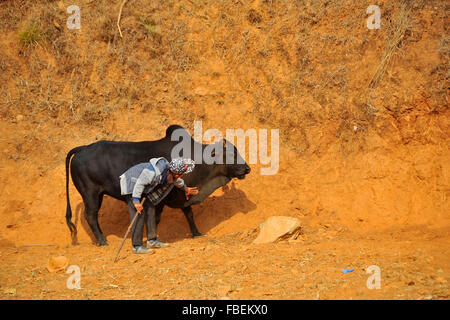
pixel 144 179
pixel 179 183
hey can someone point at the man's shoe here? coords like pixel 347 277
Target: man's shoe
pixel 143 250
pixel 156 244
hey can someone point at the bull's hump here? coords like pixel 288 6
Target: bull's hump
pixel 172 128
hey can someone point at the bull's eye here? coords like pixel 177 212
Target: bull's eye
pixel 213 153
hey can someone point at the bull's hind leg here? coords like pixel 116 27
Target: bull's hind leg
pixel 92 203
pixel 190 218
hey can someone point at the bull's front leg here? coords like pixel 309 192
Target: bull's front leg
pixel 190 218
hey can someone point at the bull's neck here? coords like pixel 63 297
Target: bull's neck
pixel 207 188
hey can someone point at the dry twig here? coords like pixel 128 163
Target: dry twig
pixel 118 18
pixel 399 33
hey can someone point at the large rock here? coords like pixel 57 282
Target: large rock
pixel 276 228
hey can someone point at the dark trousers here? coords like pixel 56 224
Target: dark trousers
pixel 147 216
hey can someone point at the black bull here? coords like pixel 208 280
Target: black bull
pixel 95 171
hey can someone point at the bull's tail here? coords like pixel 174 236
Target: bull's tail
pixel 72 227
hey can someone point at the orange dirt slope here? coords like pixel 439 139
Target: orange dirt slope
pixel 364 160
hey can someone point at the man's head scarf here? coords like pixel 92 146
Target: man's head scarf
pixel 181 166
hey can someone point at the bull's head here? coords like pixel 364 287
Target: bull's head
pixel 227 161
pixel 233 164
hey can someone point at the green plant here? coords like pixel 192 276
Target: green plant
pixel 29 36
pixel 151 28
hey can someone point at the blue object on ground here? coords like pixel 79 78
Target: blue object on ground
pixel 347 270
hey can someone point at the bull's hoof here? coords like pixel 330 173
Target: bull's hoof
pixel 102 243
pixel 198 234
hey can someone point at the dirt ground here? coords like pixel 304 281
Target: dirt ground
pixel 339 232
pixel 364 159
pixel 230 267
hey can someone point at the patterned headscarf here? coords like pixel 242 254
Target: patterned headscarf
pixel 181 166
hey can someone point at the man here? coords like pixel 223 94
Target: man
pixel 154 179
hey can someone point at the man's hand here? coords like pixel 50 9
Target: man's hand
pixel 139 207
pixel 190 191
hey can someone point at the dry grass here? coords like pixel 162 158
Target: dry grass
pixel 441 76
pixel 298 65
pixel 12 13
pixel 402 25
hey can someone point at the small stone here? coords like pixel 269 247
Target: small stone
pixel 10 291
pixel 57 264
pixel 223 291
pixel 411 283
pixel 229 273
pixel 201 91
pixel 441 280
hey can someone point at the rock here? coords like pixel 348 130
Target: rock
pixel 10 291
pixel 441 280
pixel 57 264
pixel 201 91
pixel 19 117
pixel 229 273
pixel 277 227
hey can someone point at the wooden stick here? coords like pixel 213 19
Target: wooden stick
pixel 118 18
pixel 128 231
pixel 37 245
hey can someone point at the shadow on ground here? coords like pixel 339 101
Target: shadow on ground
pixel 114 216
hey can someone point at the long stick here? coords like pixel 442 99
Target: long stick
pixel 37 245
pixel 128 231
pixel 118 18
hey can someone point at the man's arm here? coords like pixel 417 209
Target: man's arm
pixel 188 191
pixel 147 176
pixel 179 183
